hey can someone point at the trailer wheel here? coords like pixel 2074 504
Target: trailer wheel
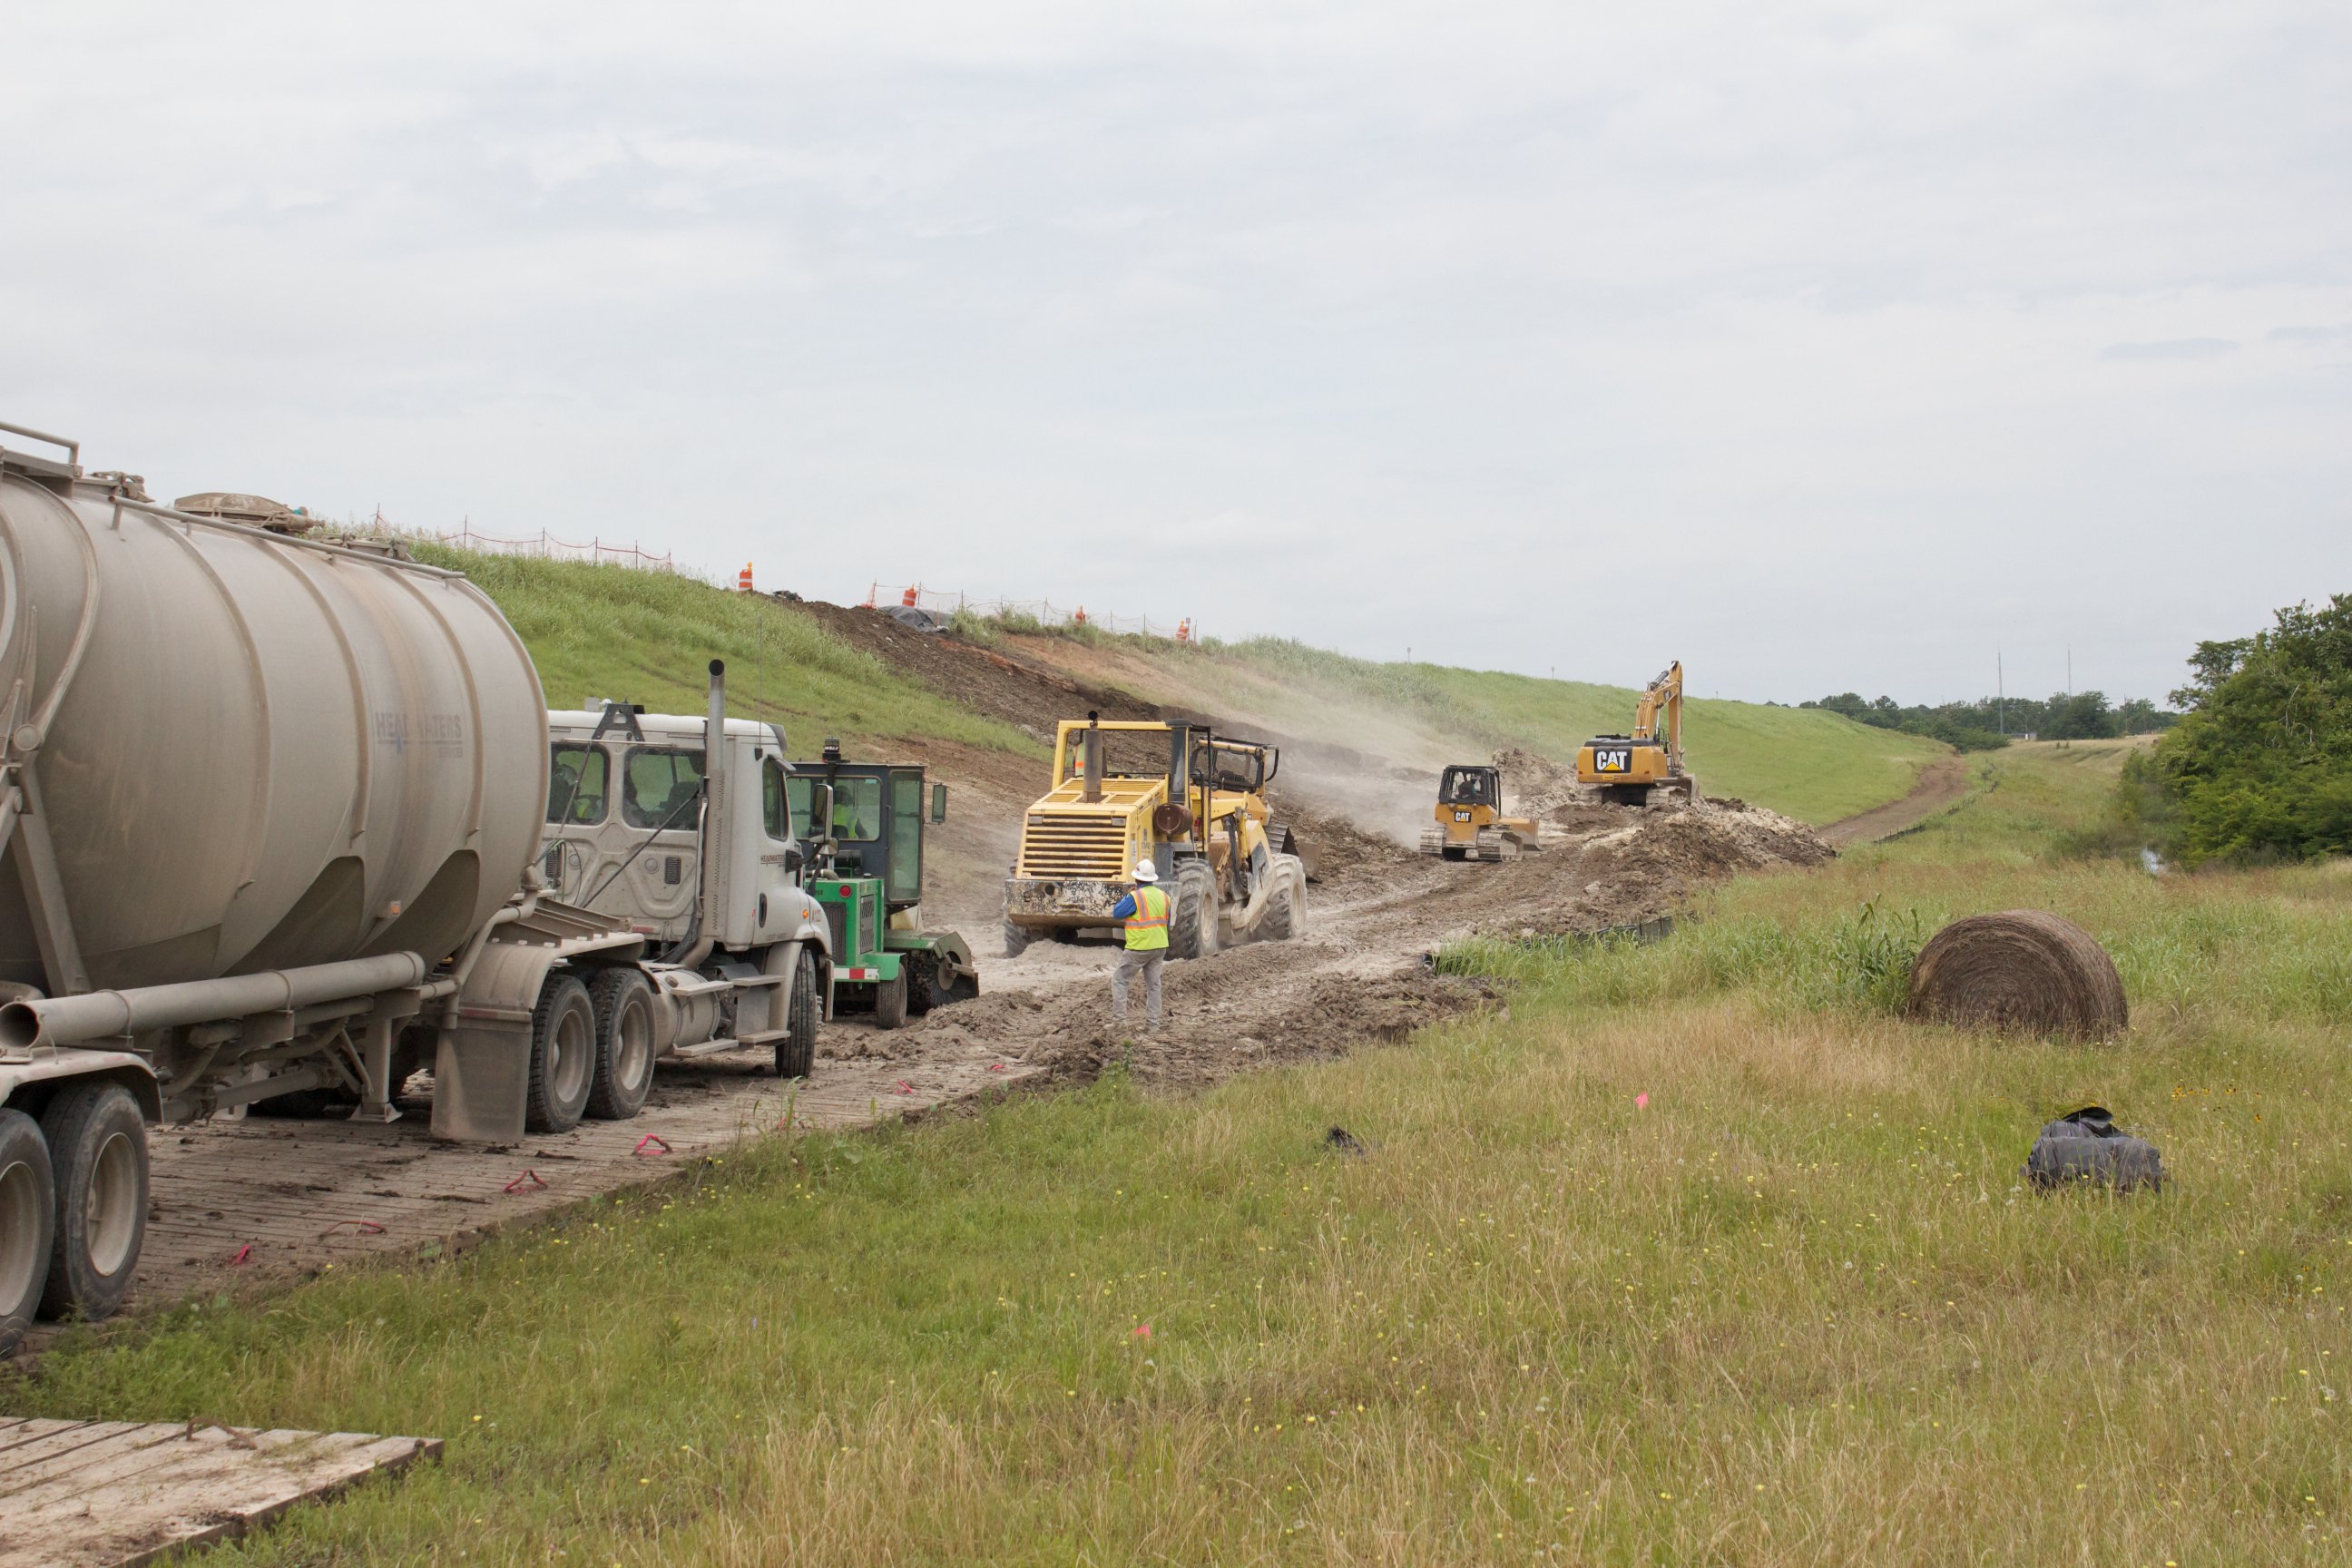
pixel 890 1002
pixel 624 1004
pixel 28 1214
pixel 923 988
pixel 98 1148
pixel 562 1055
pixel 796 1052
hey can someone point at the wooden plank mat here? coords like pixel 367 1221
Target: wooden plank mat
pixel 99 1494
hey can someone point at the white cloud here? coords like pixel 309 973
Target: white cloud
pixel 1797 325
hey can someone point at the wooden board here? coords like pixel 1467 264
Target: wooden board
pixel 96 1494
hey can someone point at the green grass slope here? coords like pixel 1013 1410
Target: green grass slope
pixel 599 632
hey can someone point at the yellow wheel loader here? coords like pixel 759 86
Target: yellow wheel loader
pixel 1636 769
pixel 1469 822
pixel 1190 801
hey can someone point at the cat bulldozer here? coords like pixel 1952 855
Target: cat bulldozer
pixel 1176 794
pixel 1469 822
pixel 1646 765
pixel 862 824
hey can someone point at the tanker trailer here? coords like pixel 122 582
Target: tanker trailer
pixel 269 822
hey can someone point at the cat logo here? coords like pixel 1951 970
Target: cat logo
pixel 1613 759
pixel 1461 817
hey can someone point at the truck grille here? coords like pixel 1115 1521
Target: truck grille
pixel 1074 844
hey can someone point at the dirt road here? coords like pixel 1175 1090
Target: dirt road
pixel 272 1198
pixel 1941 784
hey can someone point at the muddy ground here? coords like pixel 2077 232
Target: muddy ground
pixel 1376 912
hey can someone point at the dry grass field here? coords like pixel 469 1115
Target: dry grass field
pixel 1697 1252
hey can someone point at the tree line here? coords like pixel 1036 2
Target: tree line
pixel 1993 721
pixel 2260 767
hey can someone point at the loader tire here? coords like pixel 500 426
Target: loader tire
pixel 28 1217
pixel 624 1004
pixel 796 1052
pixel 1280 922
pixel 1016 940
pixel 1192 930
pixel 98 1154
pixel 562 1055
pixel 890 1002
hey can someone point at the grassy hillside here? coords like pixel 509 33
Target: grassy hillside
pixel 1815 766
pixel 1794 1310
pixel 601 632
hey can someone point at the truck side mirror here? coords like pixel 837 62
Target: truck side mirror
pixel 820 811
pixel 938 803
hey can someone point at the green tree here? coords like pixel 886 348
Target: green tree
pixel 2261 767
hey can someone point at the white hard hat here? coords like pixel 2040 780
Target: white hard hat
pixel 1144 871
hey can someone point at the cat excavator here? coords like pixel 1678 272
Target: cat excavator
pixel 1636 769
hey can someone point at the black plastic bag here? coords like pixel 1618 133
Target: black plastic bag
pixel 2083 1146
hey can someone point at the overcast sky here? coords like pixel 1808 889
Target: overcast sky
pixel 1820 345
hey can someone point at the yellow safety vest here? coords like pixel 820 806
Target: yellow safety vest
pixel 1147 929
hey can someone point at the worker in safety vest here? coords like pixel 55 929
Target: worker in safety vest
pixel 1145 913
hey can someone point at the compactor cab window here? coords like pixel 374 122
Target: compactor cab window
pixel 576 784
pixel 857 809
pixel 903 883
pixel 660 787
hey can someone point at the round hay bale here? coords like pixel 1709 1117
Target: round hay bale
pixel 2021 968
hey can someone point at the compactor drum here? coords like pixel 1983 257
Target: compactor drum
pixel 1193 802
pixel 1469 824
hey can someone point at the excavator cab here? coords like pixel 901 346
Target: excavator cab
pixel 1635 769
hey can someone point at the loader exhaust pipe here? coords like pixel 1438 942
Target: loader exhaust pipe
pixel 1090 751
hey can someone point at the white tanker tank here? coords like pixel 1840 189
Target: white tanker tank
pixel 270 815
pixel 340 754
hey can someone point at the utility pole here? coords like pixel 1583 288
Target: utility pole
pixel 2000 691
pixel 2070 669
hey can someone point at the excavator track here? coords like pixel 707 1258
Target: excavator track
pixel 1494 845
pixel 1433 840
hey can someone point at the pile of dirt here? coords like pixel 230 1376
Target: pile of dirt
pixel 1535 786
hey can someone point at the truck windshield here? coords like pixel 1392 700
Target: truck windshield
pixel 659 786
pixel 575 785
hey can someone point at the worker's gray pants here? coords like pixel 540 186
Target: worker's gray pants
pixel 1150 963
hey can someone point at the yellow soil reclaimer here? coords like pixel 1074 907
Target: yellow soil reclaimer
pixel 1190 801
pixel 1627 768
pixel 1469 822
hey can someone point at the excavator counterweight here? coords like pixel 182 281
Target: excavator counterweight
pixel 1634 769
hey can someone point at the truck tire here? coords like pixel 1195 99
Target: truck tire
pixel 1016 940
pixel 890 1002
pixel 28 1217
pixel 923 988
pixel 97 1153
pixel 624 1004
pixel 1192 930
pixel 562 1055
pixel 796 1052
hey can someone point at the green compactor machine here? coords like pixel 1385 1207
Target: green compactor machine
pixel 866 855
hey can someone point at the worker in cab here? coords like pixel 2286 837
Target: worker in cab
pixel 1144 914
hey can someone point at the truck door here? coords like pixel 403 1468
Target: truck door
pixel 578 798
pixel 661 799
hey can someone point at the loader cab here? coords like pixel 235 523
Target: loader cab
pixel 879 811
pixel 1240 767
